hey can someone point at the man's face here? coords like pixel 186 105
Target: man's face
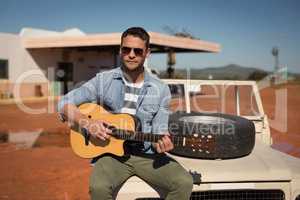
pixel 133 52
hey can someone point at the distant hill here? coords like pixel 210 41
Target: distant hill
pixel 228 72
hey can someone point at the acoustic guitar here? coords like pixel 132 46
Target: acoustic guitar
pixel 124 128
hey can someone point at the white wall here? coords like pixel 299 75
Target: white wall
pixel 20 62
pixel 44 60
pixel 36 65
pixel 87 64
pixel 23 64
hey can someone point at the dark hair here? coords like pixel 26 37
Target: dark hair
pixel 137 32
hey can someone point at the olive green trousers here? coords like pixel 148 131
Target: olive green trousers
pixel 159 170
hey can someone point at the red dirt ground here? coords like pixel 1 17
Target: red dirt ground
pixel 51 171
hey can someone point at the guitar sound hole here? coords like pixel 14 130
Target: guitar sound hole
pixel 89 116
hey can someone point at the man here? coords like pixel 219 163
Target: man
pixel 130 89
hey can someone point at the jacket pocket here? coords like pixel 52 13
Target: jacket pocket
pixel 149 108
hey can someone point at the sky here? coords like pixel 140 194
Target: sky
pixel 247 30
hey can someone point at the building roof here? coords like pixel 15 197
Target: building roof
pixel 159 42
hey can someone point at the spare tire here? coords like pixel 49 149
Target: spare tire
pixel 212 135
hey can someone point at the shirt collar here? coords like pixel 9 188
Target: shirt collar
pixel 118 74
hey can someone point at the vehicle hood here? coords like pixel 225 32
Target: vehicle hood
pixel 262 164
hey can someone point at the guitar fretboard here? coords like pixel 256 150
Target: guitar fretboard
pixel 146 137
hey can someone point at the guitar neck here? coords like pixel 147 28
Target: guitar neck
pixel 147 137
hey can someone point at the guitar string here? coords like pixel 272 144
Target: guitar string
pixel 177 140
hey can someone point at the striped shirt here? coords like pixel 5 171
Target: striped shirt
pixel 132 91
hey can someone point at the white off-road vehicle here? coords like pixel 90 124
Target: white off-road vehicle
pixel 260 172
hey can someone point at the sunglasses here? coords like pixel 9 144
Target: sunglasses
pixel 127 50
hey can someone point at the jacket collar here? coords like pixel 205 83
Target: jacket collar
pixel 118 74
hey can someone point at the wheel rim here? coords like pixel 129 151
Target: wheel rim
pixel 205 119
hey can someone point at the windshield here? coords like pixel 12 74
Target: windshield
pixel 229 99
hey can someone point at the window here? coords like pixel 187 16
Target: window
pixel 3 69
pixel 178 97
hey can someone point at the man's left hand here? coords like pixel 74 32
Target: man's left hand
pixel 165 144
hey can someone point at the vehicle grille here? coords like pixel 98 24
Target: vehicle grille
pixel 239 194
pixel 234 195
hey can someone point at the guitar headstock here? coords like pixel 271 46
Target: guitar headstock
pixel 201 143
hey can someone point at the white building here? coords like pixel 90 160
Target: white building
pixel 40 62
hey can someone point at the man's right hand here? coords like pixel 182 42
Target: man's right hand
pixel 97 128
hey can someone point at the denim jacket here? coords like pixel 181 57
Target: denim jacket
pixel 107 88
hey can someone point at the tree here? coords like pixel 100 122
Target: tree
pixel 257 75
